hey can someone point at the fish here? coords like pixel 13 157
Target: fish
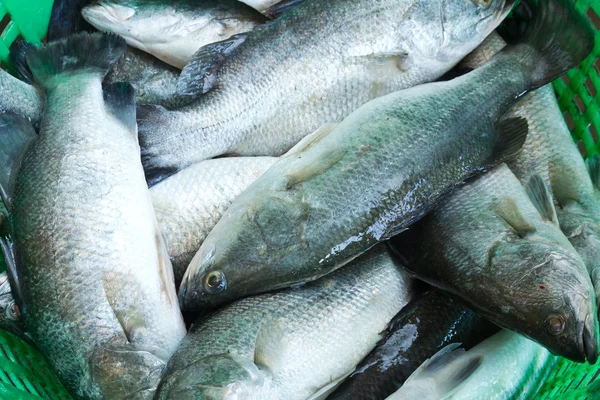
pixel 154 81
pixel 189 203
pixel 97 286
pixel 260 93
pixel 272 8
pixel 20 97
pixel 551 153
pixel 293 344
pixel 489 244
pixel 505 366
pixel 66 19
pixel 349 186
pixel 172 30
pixel 10 313
pixel 425 326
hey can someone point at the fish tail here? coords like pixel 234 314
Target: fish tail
pixel 93 53
pixel 551 37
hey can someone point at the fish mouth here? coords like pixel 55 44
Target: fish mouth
pixel 589 340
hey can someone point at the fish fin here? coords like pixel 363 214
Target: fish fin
pixel 559 36
pixel 492 45
pixel 395 59
pixel 330 387
pixel 593 166
pixel 541 198
pixel 445 372
pixel 393 231
pixel 201 73
pixel 83 52
pixel 307 171
pixel 511 134
pixel 508 210
pixel 312 138
pixel 282 7
pixel 16 133
pixel 17 56
pixel 119 98
pixel 148 118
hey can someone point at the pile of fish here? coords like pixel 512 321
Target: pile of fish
pixel 304 200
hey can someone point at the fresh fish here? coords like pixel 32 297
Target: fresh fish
pixel 489 244
pixel 154 81
pixel 292 344
pixel 347 187
pixel 279 83
pixel 273 8
pixel 551 153
pixel 189 203
pixel 424 327
pixel 506 366
pixel 260 5
pixel 66 19
pixel 171 30
pixel 19 97
pixel 97 284
pixel 10 313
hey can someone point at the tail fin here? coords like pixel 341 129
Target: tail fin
pixel 83 52
pixel 553 37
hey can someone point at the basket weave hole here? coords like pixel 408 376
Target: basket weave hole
pixel 593 17
pixel 597 66
pixel 593 133
pixel 581 148
pixel 570 121
pixel 590 87
pixel 579 103
pixel 4 23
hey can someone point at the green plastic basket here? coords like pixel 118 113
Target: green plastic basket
pixel 25 373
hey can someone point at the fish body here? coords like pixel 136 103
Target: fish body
pixel 424 327
pixel 349 186
pixel 293 343
pixel 488 244
pixel 260 5
pixel 505 366
pixel 98 292
pixel 551 153
pixel 282 81
pixel 190 203
pixel 173 30
pixel 19 97
pixel 154 81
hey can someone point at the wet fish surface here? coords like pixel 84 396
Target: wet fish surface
pixel 19 97
pixel 255 97
pixel 190 203
pixel 424 327
pixel 171 30
pixel 97 285
pixel 489 244
pixel 352 185
pixel 290 344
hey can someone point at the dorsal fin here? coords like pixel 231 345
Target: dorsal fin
pixel 541 198
pixel 119 98
pixel 511 133
pixel 200 75
pixel 16 133
pixel 508 210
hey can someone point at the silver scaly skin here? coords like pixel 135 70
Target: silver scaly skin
pixel 97 284
pixel 349 186
pixel 488 244
pixel 550 152
pixel 154 81
pixel 19 97
pixel 313 65
pixel 506 366
pixel 171 30
pixel 190 203
pixel 293 343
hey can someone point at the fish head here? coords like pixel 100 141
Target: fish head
pixel 143 25
pixel 581 226
pixel 544 292
pixel 219 376
pixel 246 251
pixel 454 28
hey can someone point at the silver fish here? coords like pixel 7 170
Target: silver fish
pixel 292 344
pixel 506 366
pixel 350 186
pixel 97 284
pixel 190 203
pixel 551 153
pixel 488 243
pixel 284 80
pixel 171 30
pixel 19 97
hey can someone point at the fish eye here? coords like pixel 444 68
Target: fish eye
pixel 215 282
pixel 13 312
pixel 555 325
